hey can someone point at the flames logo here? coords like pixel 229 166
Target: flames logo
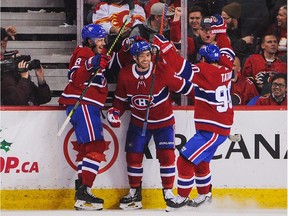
pixel 117 19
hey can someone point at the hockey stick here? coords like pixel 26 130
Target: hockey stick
pixel 150 94
pixel 163 17
pixel 153 74
pixel 69 116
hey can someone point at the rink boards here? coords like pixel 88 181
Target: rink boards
pixel 38 169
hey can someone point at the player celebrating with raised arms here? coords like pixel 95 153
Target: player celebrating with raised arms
pixel 85 61
pixel 213 118
pixel 134 88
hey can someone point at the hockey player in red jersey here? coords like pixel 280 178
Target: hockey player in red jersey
pixel 85 60
pixel 211 80
pixel 133 87
pixel 213 119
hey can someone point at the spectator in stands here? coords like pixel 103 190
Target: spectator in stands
pixel 280 30
pixel 210 7
pixel 242 46
pixel 262 67
pixel 7 32
pixel 152 25
pixel 70 13
pixel 147 4
pixel 195 16
pixel 211 31
pixel 243 88
pixel 254 18
pixel 17 89
pixel 89 6
pixel 111 16
pixel 278 95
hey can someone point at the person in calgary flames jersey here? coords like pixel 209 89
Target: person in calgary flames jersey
pixel 85 61
pixel 211 80
pixel 133 88
pixel 112 14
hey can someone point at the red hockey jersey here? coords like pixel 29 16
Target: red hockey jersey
pixel 256 63
pixel 79 76
pixel 133 89
pixel 213 105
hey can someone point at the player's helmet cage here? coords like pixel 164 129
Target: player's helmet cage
pixel 210 52
pixel 139 47
pixel 93 31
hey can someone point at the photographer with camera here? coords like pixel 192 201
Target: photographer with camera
pixel 17 87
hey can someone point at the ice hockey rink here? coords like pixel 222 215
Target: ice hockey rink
pixel 144 212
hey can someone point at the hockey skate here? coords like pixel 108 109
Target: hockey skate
pixel 168 194
pixel 86 200
pixel 78 182
pixel 132 200
pixel 201 199
pixel 176 203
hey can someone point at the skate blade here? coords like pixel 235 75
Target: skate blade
pixel 171 209
pixel 84 206
pixel 203 204
pixel 131 206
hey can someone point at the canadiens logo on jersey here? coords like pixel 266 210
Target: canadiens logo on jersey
pixel 140 102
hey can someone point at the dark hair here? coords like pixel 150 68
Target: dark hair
pixel 3 33
pixel 196 8
pixel 265 35
pixel 280 75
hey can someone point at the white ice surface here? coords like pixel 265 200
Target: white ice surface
pixel 144 212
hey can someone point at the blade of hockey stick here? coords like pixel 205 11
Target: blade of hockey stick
pixel 235 138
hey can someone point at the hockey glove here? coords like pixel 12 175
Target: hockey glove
pixel 113 117
pixel 128 42
pixel 218 24
pixel 98 61
pixel 163 44
pixel 168 52
pixel 104 61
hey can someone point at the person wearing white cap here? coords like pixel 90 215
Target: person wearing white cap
pixel 152 25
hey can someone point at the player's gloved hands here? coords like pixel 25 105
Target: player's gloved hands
pixel 98 61
pixel 128 42
pixel 113 117
pixel 218 24
pixel 104 61
pixel 163 44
